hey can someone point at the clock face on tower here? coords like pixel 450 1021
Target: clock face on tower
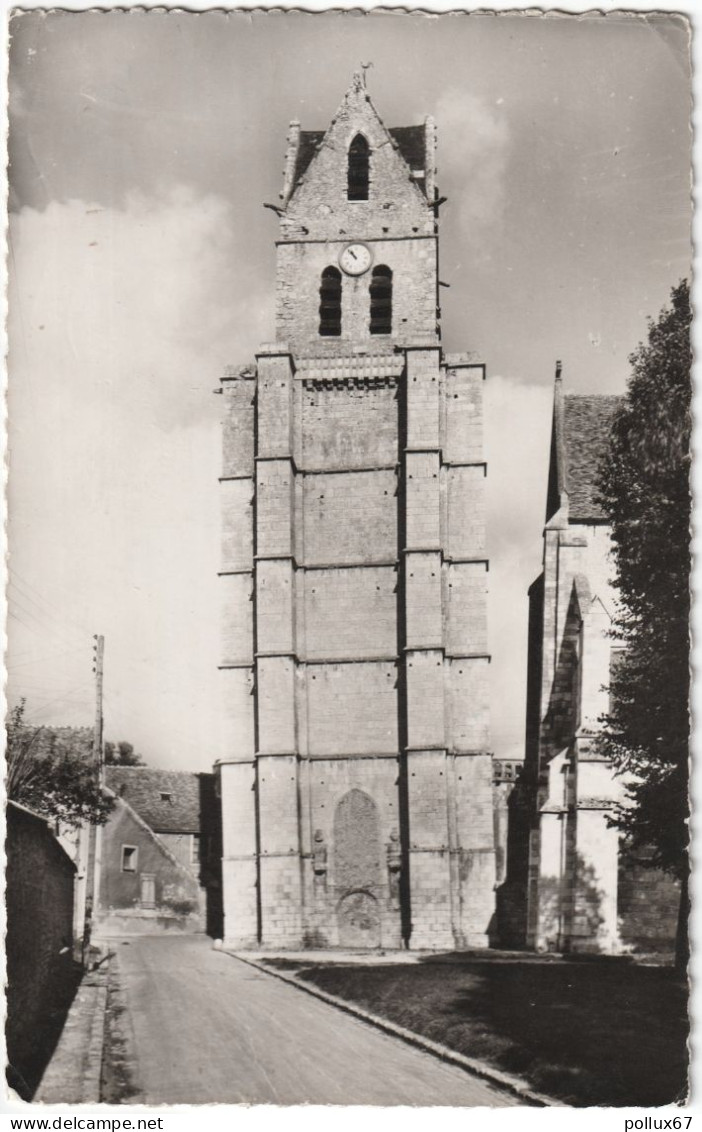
pixel 355 259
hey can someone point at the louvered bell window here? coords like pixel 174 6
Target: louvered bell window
pixel 359 161
pixel 381 300
pixel 330 303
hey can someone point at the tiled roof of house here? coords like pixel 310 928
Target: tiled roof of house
pixel 587 421
pixel 410 142
pixel 144 789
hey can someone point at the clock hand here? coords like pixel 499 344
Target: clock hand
pixel 352 253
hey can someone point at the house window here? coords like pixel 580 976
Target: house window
pixel 195 850
pixel 359 154
pixel 381 300
pixel 130 855
pixel 166 796
pixel 330 303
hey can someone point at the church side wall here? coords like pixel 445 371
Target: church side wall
pixel 583 883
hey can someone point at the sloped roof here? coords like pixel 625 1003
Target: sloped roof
pixel 410 142
pixel 309 140
pixel 587 421
pixel 143 786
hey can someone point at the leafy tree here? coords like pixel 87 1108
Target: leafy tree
pixel 122 754
pixel 51 775
pixel 645 491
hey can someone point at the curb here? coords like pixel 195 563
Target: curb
pixel 73 1074
pixel 505 1081
pixel 120 1078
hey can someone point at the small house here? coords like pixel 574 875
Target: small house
pixel 151 877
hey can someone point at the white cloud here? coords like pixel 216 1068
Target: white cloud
pixel 121 322
pixel 473 158
pixel 139 301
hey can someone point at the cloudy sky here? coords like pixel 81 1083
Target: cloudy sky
pixel 142 262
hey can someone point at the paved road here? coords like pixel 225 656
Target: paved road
pixel 210 1028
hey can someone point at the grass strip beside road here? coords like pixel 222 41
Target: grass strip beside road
pixel 599 1032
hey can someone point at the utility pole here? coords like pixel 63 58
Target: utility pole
pixel 99 649
pixel 99 765
pixel 88 845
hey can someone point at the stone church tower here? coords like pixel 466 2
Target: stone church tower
pixel 357 787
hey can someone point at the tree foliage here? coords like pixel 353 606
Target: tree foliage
pixel 48 772
pixel 645 491
pixel 122 754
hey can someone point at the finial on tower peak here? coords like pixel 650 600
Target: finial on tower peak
pixel 559 370
pixel 359 78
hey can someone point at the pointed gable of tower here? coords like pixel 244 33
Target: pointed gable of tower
pixel 323 193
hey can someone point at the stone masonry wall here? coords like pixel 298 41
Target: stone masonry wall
pixel 349 519
pixel 38 943
pixel 451 836
pixel 237 490
pixel 351 708
pixel 346 613
pixel 355 430
pixel 647 906
pixel 300 266
pixel 327 586
pixel 319 207
pixel 329 880
pixel 239 853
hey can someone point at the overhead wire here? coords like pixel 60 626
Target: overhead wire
pixel 40 622
pixel 35 595
pixel 67 697
pixel 44 608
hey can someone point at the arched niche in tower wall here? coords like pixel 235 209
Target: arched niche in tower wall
pixel 357 847
pixel 357 870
